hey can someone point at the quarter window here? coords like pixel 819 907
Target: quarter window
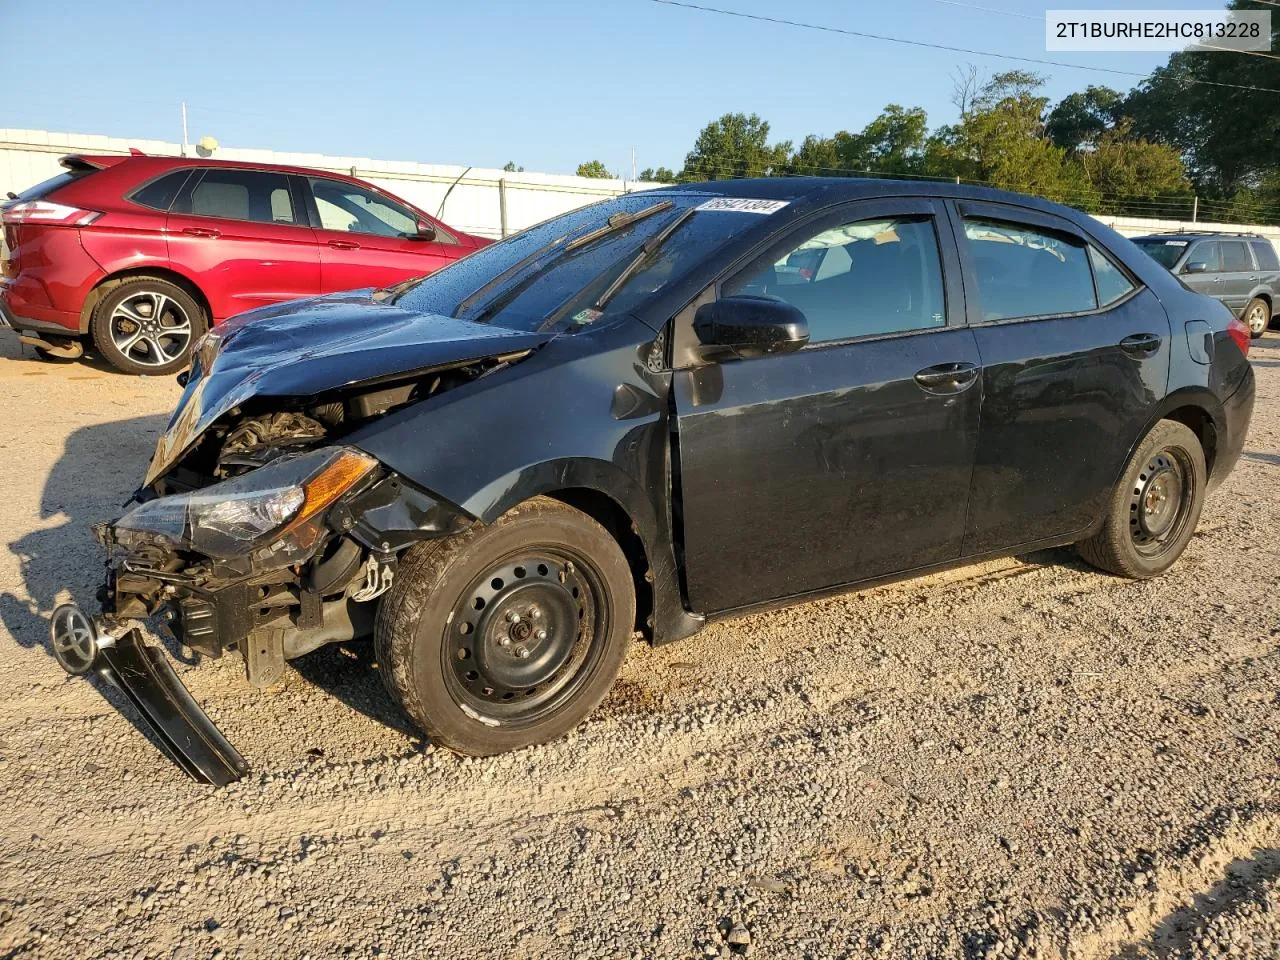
pixel 857 279
pixel 1265 254
pixel 159 194
pixel 1235 257
pixel 241 195
pixel 1112 283
pixel 1027 272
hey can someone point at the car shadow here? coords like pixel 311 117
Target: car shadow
pixel 91 482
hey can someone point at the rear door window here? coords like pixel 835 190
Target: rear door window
pixel 1112 282
pixel 254 195
pixel 1265 254
pixel 1235 257
pixel 1025 271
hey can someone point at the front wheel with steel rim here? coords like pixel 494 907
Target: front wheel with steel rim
pixel 1257 317
pixel 1154 510
pixel 147 325
pixel 508 634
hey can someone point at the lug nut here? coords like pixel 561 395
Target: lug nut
pixel 522 652
pixel 535 613
pixel 504 641
pixel 541 634
pixel 513 617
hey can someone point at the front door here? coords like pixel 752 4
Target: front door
pixel 849 459
pixel 368 240
pixel 1075 357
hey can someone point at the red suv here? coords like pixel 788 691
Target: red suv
pixel 144 253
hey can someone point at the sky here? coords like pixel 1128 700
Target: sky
pixel 547 84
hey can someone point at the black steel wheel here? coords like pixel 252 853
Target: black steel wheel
pixel 522 635
pixel 508 634
pixel 1154 509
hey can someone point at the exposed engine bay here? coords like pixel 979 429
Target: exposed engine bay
pixel 334 534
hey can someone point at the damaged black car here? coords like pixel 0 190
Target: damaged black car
pixel 668 407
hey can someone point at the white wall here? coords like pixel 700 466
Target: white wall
pixel 29 156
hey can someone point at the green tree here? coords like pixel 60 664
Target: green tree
pixel 736 145
pixel 1219 111
pixel 660 175
pixel 594 169
pixel 1080 119
pixel 894 142
pixel 1129 173
pixel 510 167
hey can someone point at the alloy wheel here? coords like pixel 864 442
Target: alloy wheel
pixel 150 328
pixel 1257 320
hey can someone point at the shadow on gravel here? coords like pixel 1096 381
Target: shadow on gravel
pixel 349 673
pixel 1175 935
pixel 1271 458
pixel 99 468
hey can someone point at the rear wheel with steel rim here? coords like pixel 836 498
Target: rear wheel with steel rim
pixel 1257 317
pixel 1153 512
pixel 508 634
pixel 147 325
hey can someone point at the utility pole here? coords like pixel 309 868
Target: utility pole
pixel 633 163
pixel 1195 208
pixel 184 128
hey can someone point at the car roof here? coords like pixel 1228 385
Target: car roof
pixel 104 161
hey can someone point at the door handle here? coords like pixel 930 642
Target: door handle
pixel 202 232
pixel 948 377
pixel 1140 344
pixel 344 245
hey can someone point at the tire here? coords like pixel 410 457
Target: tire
pixel 1140 538
pixel 445 635
pixel 1257 317
pixel 132 340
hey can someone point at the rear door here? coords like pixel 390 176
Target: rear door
pixel 1239 274
pixel 1075 357
pixel 850 458
pixel 244 237
pixel 369 240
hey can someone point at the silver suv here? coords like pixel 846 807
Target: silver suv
pixel 1240 269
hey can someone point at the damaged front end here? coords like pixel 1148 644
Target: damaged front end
pixel 259 530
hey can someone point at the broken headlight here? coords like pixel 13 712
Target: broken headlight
pixel 275 513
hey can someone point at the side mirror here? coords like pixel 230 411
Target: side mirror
pixel 749 327
pixel 425 231
pixel 1196 266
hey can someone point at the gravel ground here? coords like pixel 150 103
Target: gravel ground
pixel 1023 758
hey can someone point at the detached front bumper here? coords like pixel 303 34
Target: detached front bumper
pixel 84 644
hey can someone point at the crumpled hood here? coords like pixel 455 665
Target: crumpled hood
pixel 308 347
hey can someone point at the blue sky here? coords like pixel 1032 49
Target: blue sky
pixel 546 83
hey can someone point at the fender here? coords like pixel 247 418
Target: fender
pixel 546 425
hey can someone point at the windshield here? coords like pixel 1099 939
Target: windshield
pixel 551 283
pixel 1163 252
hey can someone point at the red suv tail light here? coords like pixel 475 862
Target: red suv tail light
pixel 54 214
pixel 1239 332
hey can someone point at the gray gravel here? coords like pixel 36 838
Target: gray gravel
pixel 1020 759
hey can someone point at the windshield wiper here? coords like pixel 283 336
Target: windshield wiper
pixel 617 222
pixel 507 274
pixel 650 247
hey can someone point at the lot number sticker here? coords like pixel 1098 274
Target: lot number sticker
pixel 742 205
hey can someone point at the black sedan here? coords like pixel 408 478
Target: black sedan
pixel 669 407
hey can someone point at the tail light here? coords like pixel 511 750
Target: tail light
pixel 1239 332
pixel 54 214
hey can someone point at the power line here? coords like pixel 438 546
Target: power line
pixel 942 46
